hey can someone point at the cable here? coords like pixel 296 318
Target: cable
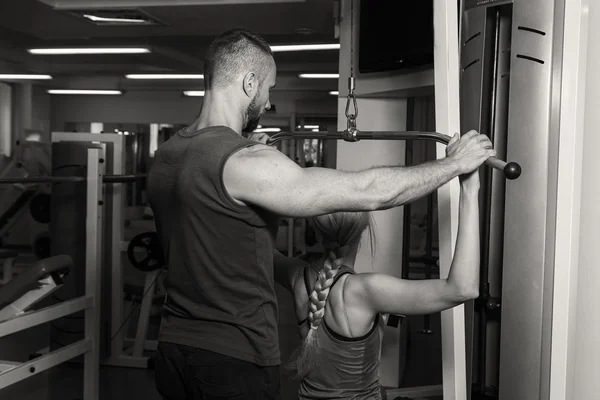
pixel 135 307
pixel 352 38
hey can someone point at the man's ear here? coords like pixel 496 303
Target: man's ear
pixel 250 84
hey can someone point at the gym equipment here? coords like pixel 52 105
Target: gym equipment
pixel 148 243
pixel 53 269
pixel 39 207
pixel 46 274
pixel 511 170
pixel 513 55
pixel 15 209
pixel 113 352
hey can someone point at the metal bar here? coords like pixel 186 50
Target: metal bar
pixel 487 210
pixel 116 275
pixel 43 179
pixel 93 259
pixel 447 118
pixel 44 315
pixel 41 364
pixel 123 178
pixel 361 135
pixel 59 179
pixel 428 253
pixel 511 170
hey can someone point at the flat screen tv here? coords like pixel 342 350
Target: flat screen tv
pixel 395 35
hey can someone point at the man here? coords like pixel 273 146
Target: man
pixel 216 198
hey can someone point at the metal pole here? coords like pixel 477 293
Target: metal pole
pixel 59 179
pixel 93 288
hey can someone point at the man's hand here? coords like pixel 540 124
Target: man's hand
pixel 469 151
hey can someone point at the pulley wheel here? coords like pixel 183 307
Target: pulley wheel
pixel 145 253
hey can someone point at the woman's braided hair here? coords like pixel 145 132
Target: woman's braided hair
pixel 338 232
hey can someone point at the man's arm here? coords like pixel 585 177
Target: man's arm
pixel 265 177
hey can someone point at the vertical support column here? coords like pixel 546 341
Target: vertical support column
pixel 447 114
pixel 118 193
pixel 93 261
pixel 530 201
pixel 6 127
pixel 568 202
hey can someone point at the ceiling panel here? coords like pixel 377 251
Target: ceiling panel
pixel 177 46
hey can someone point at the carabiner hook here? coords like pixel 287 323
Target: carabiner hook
pixel 353 97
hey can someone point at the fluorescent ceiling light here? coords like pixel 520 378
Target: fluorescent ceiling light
pixel 123 20
pixel 194 93
pixel 82 91
pixel 79 4
pixel 267 130
pixel 334 93
pixel 164 76
pixel 24 76
pixel 305 47
pixel 311 126
pixel 325 76
pixel 93 50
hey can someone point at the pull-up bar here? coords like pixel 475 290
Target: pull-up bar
pixel 512 170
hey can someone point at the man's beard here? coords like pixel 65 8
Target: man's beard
pixel 252 116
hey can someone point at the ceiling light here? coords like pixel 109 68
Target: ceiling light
pixel 24 76
pixel 267 130
pixel 334 93
pixel 81 91
pixel 164 76
pixel 194 93
pixel 118 20
pixel 311 127
pixel 110 50
pixel 325 76
pixel 305 47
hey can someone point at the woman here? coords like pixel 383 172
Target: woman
pixel 341 313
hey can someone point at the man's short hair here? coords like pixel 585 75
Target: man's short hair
pixel 233 53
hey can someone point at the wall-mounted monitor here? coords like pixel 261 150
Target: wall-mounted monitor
pixel 395 35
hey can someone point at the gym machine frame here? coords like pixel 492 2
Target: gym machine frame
pixel 118 245
pixel 524 82
pixel 11 372
pixel 446 69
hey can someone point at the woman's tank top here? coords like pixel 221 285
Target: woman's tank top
pixel 348 367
